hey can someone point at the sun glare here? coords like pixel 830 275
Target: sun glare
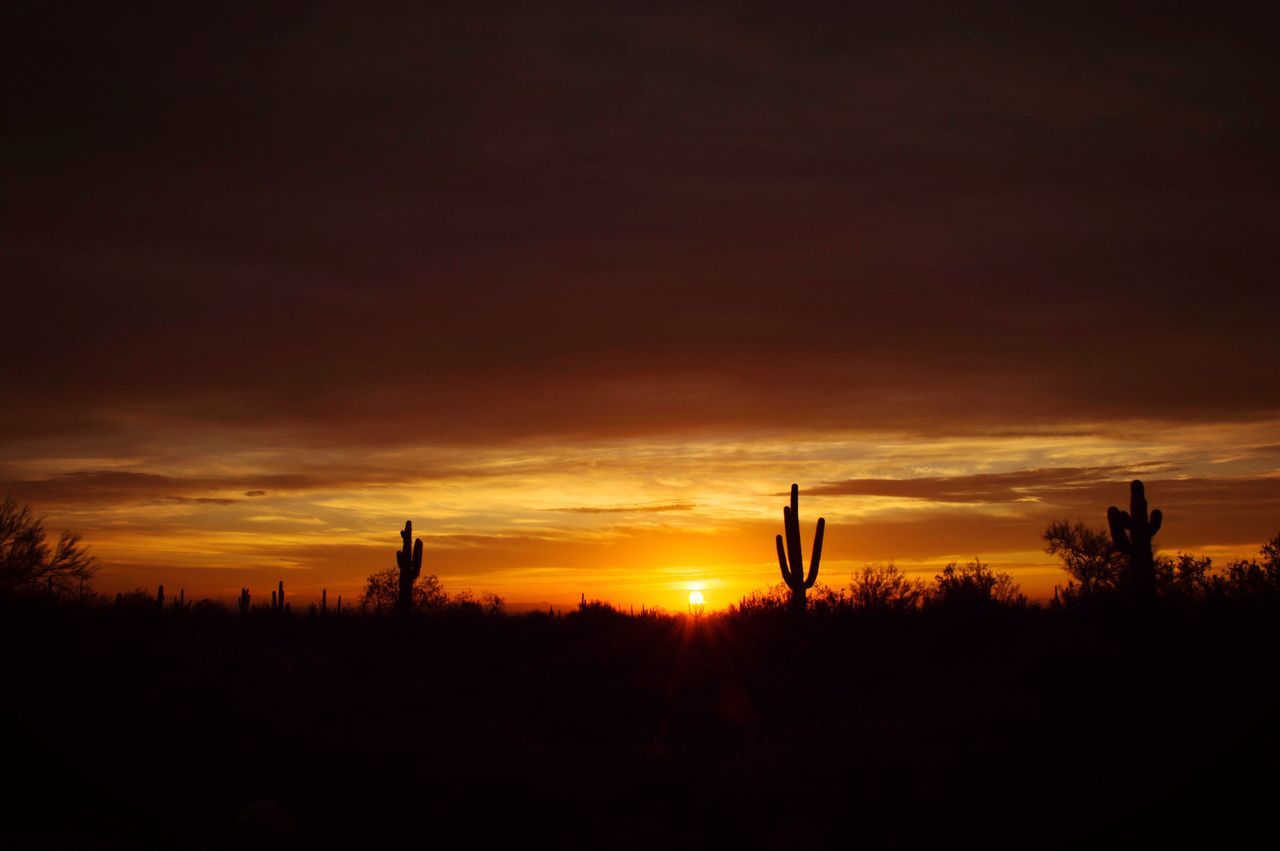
pixel 697 603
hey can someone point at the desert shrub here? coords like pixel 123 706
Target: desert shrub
pixel 1184 576
pixel 973 585
pixel 825 600
pixel 138 598
pixel 205 606
pixel 464 602
pixel 382 589
pixel 773 599
pixel 594 609
pixel 884 588
pixel 1255 580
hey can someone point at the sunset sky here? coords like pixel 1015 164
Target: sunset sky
pixel 582 292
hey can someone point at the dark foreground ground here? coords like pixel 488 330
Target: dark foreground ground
pixel 1047 729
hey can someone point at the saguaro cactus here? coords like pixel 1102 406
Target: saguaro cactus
pixel 244 600
pixel 1131 534
pixel 790 557
pixel 410 563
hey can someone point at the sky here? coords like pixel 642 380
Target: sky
pixel 582 289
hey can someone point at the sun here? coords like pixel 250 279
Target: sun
pixel 697 603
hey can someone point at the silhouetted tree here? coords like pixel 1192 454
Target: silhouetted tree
pixel 974 585
pixel 885 588
pixel 790 557
pixel 1087 556
pixel 29 565
pixel 464 602
pixel 492 604
pixel 1254 580
pixel 382 591
pixel 1184 576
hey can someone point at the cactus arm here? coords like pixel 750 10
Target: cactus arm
pixel 782 561
pixel 1157 517
pixel 817 553
pixel 416 567
pixel 792 526
pixel 1118 521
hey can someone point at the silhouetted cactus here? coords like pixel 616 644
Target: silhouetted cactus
pixel 280 599
pixel 409 560
pixel 790 557
pixel 160 598
pixel 324 601
pixel 244 600
pixel 1131 534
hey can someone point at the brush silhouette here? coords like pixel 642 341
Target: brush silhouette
pixel 790 556
pixel 1131 534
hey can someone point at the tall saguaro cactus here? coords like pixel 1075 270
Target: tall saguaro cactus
pixel 790 557
pixel 1131 534
pixel 410 563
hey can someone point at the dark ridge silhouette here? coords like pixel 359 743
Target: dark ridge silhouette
pixel 409 561
pixel 790 557
pixel 1131 534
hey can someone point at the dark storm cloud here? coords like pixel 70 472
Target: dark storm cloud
pixel 451 224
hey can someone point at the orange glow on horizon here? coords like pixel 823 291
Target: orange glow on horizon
pixel 643 523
